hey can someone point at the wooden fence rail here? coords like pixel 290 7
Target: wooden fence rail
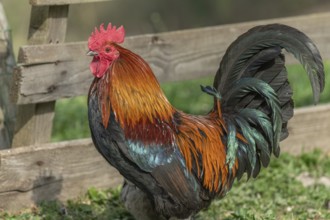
pixel 39 171
pixel 63 69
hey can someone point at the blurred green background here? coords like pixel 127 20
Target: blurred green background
pixel 151 16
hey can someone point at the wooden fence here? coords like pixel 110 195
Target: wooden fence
pixel 48 69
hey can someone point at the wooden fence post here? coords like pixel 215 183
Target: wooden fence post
pixel 34 121
pixel 7 62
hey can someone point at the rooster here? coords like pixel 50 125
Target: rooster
pixel 181 162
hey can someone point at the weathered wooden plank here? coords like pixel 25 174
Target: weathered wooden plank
pixel 52 53
pixel 178 55
pixel 7 62
pixel 308 129
pixel 60 84
pixel 62 2
pixel 34 121
pixel 65 170
pixel 52 171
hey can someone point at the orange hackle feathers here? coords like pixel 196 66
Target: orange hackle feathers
pixel 200 136
pixel 140 98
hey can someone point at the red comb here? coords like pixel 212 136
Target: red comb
pixel 111 34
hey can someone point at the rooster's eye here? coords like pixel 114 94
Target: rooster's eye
pixel 107 49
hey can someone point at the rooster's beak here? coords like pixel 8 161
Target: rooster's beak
pixel 91 53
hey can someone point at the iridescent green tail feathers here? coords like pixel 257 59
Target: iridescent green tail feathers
pixel 256 97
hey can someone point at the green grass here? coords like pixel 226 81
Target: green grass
pixel 275 194
pixel 71 114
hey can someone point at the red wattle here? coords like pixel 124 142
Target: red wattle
pixel 98 67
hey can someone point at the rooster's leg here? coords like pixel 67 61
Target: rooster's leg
pixel 138 203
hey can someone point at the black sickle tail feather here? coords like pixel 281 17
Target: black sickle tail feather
pixel 238 56
pixel 256 95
